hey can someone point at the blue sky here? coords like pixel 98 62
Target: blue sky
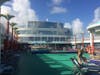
pixel 82 9
pixel 77 13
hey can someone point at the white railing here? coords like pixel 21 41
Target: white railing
pixel 86 40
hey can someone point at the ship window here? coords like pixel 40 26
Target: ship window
pixel 47 25
pixel 56 39
pixel 46 32
pixel 62 39
pixel 50 39
pixel 37 38
pixel 44 38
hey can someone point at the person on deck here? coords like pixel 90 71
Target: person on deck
pixel 81 58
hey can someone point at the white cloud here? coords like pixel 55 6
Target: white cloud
pixel 67 25
pixel 96 15
pixel 32 15
pixel 77 26
pixel 22 11
pixel 25 13
pixel 57 2
pixel 57 9
pixel 5 10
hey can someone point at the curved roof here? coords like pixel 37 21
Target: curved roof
pixel 92 26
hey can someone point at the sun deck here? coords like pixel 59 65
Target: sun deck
pixel 45 64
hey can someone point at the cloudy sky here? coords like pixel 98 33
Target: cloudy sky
pixel 73 13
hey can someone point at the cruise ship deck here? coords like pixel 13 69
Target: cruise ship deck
pixel 49 37
pixel 46 64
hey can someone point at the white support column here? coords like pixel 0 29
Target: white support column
pixel 90 39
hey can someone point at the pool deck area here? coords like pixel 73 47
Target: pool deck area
pixel 45 64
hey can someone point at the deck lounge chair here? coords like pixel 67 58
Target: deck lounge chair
pixel 85 69
pixel 6 69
